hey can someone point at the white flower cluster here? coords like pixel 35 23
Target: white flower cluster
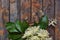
pixel 52 22
pixel 35 33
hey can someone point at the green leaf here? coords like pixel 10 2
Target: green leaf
pixel 18 25
pixel 10 26
pixel 21 26
pixel 43 22
pixel 14 36
pixel 25 25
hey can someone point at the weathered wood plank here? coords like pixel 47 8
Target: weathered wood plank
pixel 36 7
pixel 5 5
pixel 58 19
pixel 18 9
pixel 5 16
pixel 13 10
pixel 48 7
pixel 1 22
pixel 25 10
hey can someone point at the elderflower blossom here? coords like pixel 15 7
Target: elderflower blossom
pixel 35 33
pixel 30 31
pixel 43 33
pixel 33 38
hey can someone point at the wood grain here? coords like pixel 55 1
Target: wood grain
pixel 13 11
pixel 1 21
pixel 58 19
pixel 25 10
pixel 48 8
pixel 36 7
pixel 4 17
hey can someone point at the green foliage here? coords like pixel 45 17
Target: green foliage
pixel 10 26
pixel 17 27
pixel 21 26
pixel 43 22
pixel 14 36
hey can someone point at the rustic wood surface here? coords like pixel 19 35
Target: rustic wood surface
pixel 11 10
pixel 57 11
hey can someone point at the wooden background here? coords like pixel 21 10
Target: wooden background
pixel 11 10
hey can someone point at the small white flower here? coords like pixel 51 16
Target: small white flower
pixel 52 22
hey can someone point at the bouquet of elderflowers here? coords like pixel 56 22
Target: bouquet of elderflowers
pixel 35 33
pixel 22 31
